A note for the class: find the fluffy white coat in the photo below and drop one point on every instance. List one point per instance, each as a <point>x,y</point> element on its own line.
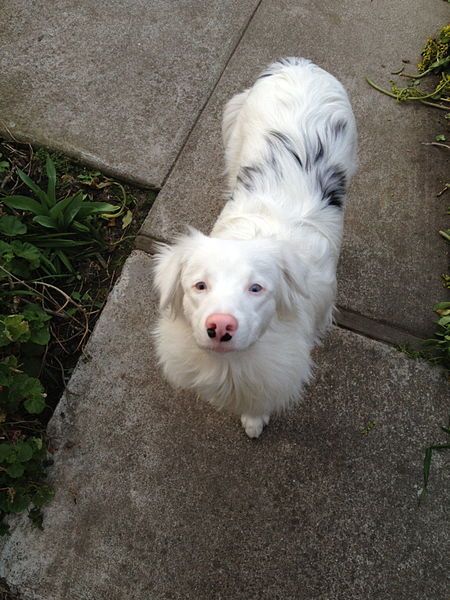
<point>270,260</point>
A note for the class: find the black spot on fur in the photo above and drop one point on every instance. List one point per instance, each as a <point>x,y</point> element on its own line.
<point>247,176</point>
<point>289,61</point>
<point>278,65</point>
<point>313,155</point>
<point>338,128</point>
<point>320,151</point>
<point>272,160</point>
<point>333,184</point>
<point>288,145</point>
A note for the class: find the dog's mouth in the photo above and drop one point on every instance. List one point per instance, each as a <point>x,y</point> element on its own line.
<point>221,348</point>
<point>225,348</point>
<point>217,347</point>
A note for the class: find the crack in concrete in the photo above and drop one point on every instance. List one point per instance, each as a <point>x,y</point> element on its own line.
<point>213,89</point>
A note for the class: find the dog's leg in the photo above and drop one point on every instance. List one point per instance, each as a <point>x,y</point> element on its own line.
<point>254,425</point>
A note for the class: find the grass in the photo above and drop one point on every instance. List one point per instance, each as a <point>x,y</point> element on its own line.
<point>65,233</point>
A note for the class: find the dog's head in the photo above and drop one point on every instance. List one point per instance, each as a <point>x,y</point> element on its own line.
<point>229,291</point>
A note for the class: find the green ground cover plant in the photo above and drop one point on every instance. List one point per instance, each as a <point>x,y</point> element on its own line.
<point>65,230</point>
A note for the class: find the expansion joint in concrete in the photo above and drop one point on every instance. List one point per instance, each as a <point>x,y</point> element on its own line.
<point>376,330</point>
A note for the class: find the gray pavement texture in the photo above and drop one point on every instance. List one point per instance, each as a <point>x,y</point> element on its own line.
<point>117,84</point>
<point>158,496</point>
<point>392,257</point>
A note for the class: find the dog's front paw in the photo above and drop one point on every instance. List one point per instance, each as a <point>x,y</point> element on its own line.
<point>254,425</point>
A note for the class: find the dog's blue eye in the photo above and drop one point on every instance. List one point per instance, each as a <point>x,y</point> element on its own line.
<point>200,286</point>
<point>255,288</point>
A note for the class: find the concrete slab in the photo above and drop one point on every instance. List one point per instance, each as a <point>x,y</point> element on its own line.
<point>116,84</point>
<point>393,256</point>
<point>158,496</point>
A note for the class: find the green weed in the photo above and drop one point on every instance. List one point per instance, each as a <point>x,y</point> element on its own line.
<point>65,231</point>
<point>440,343</point>
<point>22,457</point>
<point>435,62</point>
<point>64,215</point>
<point>4,165</point>
<point>60,225</point>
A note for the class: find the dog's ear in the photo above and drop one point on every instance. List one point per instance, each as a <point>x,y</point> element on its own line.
<point>169,262</point>
<point>293,282</point>
<point>167,277</point>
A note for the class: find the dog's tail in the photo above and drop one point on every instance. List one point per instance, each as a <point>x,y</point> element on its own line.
<point>230,134</point>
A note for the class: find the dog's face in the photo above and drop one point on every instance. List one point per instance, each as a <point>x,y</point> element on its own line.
<point>228,290</point>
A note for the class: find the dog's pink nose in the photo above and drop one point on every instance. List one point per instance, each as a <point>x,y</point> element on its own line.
<point>221,326</point>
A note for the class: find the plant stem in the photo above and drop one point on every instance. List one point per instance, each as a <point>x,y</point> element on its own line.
<point>380,89</point>
<point>438,144</point>
<point>392,95</point>
<point>433,104</point>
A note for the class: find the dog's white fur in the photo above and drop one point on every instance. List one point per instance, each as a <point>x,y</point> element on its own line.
<point>290,152</point>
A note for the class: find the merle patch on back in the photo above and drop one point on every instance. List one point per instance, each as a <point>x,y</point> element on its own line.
<point>338,128</point>
<point>331,178</point>
<point>333,183</point>
<point>247,177</point>
<point>287,144</point>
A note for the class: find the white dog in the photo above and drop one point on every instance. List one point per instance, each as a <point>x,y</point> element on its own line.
<point>242,309</point>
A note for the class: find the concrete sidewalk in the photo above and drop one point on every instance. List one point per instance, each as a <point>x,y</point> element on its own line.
<point>158,496</point>
<point>117,84</point>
